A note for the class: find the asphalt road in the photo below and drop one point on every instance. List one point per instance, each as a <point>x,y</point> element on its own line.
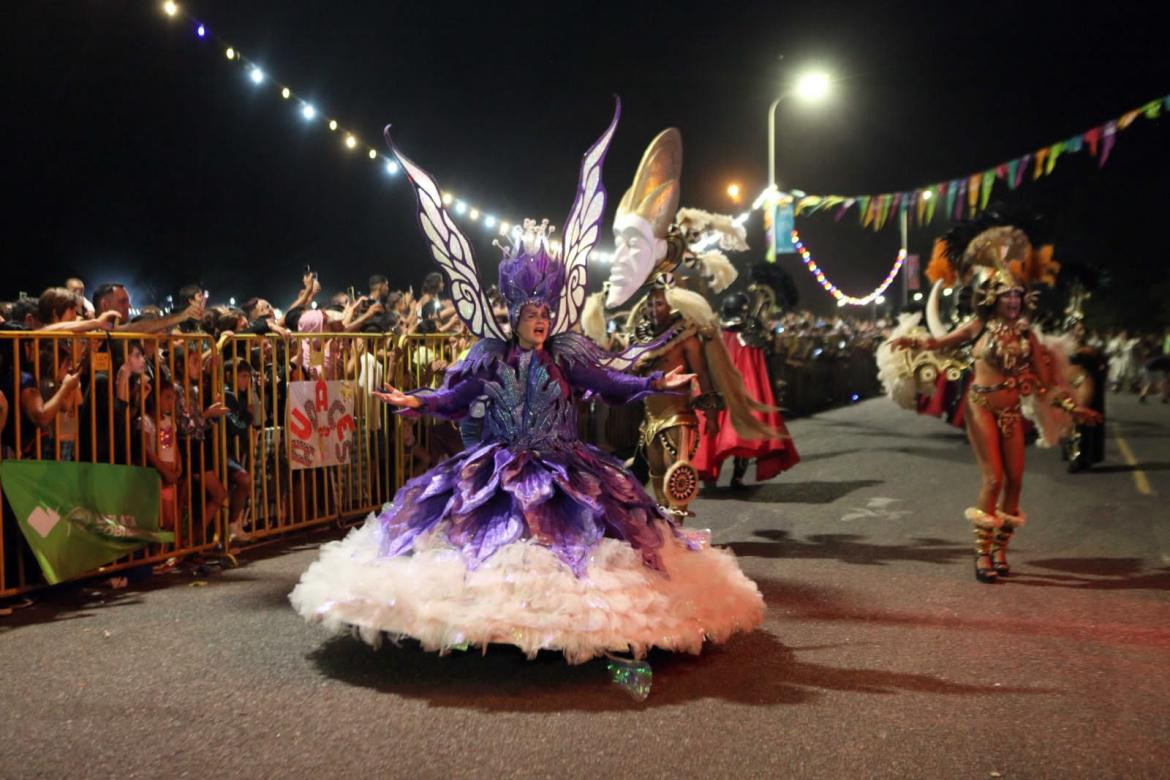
<point>881,656</point>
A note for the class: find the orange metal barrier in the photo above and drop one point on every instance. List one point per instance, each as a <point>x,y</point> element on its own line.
<point>229,481</point>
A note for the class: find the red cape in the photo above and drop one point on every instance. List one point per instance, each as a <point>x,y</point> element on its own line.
<point>771,456</point>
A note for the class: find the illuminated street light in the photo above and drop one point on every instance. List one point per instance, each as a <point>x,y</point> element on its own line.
<point>810,87</point>
<point>170,8</point>
<point>917,296</point>
<point>733,192</point>
<point>813,86</point>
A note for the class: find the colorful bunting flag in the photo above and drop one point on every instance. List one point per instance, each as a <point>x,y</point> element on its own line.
<point>1038,158</point>
<point>1108,137</point>
<point>973,193</point>
<point>875,210</point>
<point>959,197</point>
<point>985,190</point>
<point>1053,153</point>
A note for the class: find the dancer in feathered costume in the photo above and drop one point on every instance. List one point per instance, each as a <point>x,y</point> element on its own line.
<point>655,242</point>
<point>531,538</point>
<point>1012,366</point>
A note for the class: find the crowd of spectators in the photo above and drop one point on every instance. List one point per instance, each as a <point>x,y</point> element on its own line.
<point>96,379</point>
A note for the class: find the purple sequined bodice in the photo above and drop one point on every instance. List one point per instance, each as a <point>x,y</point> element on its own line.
<point>527,405</point>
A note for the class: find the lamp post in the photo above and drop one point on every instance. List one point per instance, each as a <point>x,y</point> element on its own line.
<point>810,87</point>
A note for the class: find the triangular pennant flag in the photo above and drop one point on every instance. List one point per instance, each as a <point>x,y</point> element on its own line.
<point>1152,109</point>
<point>1074,144</point>
<point>988,183</point>
<point>842,211</point>
<point>1039,167</point>
<point>1027,158</point>
<point>959,198</point>
<point>1109,137</point>
<point>920,200</point>
<point>863,209</point>
<point>1053,153</point>
<point>806,202</point>
<point>1013,168</point>
<point>952,193</point>
<point>1127,119</point>
<point>973,182</point>
<point>1091,138</point>
<point>931,204</point>
<point>883,210</point>
<point>1001,170</point>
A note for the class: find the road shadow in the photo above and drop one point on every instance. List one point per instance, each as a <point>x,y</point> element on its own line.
<point>849,548</point>
<point>1092,574</point>
<point>809,492</point>
<point>754,669</point>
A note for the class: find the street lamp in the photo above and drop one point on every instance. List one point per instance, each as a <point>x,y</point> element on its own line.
<point>810,87</point>
<point>733,192</point>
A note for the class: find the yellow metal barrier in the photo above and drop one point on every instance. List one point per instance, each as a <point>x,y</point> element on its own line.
<point>219,439</point>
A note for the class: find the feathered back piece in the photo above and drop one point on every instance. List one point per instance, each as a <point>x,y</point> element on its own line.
<point>996,251</point>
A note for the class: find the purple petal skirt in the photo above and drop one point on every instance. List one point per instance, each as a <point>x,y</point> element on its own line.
<point>551,546</point>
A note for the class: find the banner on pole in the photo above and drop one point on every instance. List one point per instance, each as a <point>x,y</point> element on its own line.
<point>79,516</point>
<point>320,424</point>
<point>910,273</point>
<point>783,221</point>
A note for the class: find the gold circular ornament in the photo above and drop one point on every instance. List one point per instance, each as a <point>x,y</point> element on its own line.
<point>681,483</point>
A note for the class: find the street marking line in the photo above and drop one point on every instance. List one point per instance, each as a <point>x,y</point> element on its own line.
<point>1139,477</point>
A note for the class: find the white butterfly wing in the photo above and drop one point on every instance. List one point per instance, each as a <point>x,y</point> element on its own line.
<point>582,229</point>
<point>451,251</point>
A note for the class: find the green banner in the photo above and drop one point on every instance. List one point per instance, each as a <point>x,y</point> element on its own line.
<point>79,516</point>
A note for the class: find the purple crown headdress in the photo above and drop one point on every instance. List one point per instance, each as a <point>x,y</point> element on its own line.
<point>531,271</point>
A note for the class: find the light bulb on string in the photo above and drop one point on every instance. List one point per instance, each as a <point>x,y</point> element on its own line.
<point>170,8</point>
<point>256,75</point>
<point>489,221</point>
<point>448,198</point>
<point>307,111</point>
<point>373,154</point>
<point>460,207</point>
<point>332,124</point>
<point>230,53</point>
<point>201,31</point>
<point>350,141</point>
<point>285,93</point>
<point>473,214</point>
<point>391,167</point>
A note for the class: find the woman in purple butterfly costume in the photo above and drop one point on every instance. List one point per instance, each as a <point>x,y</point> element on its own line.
<point>532,537</point>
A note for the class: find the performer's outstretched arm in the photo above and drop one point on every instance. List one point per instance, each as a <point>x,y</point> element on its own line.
<point>616,387</point>
<point>448,403</point>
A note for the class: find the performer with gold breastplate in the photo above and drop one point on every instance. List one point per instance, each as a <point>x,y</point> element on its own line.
<point>1012,367</point>
<point>655,240</point>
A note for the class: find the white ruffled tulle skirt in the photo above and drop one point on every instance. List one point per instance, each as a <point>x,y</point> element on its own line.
<point>525,596</point>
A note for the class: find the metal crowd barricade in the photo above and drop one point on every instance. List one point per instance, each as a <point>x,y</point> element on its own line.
<point>109,420</point>
<point>387,449</point>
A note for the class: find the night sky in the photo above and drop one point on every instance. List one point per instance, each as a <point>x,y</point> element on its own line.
<point>136,152</point>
